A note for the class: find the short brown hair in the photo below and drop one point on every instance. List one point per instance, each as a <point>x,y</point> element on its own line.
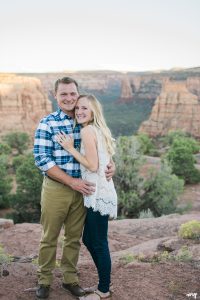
<point>66,80</point>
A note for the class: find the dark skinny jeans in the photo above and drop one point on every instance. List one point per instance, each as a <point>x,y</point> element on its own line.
<point>95,238</point>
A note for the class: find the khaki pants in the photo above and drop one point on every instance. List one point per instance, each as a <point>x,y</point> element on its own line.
<point>60,205</point>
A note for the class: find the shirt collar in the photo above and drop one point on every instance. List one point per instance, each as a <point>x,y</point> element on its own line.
<point>63,116</point>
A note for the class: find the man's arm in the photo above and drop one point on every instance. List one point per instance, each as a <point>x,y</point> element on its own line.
<point>44,160</point>
<point>77,184</point>
<point>43,147</point>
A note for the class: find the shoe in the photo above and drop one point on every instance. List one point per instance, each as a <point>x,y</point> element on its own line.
<point>42,291</point>
<point>102,295</point>
<point>93,288</point>
<point>74,289</point>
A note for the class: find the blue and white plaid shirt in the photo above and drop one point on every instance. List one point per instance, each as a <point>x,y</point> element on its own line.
<point>48,152</point>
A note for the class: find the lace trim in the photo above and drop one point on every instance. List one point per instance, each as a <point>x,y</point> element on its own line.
<point>104,199</point>
<point>103,211</point>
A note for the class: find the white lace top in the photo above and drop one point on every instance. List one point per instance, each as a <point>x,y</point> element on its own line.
<point>104,198</point>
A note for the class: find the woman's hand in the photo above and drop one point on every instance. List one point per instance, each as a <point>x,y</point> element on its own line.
<point>66,141</point>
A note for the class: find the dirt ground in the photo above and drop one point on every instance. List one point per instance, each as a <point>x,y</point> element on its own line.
<point>138,279</point>
<point>132,279</point>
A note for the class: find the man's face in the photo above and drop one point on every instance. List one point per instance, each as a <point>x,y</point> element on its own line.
<point>66,96</point>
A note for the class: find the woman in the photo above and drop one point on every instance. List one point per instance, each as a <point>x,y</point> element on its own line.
<point>97,148</point>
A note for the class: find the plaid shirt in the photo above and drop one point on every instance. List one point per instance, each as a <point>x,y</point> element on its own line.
<point>48,152</point>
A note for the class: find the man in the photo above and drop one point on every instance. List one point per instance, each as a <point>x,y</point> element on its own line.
<point>61,198</point>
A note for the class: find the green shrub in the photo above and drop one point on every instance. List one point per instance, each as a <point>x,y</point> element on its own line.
<point>128,182</point>
<point>145,214</point>
<point>189,142</point>
<point>5,259</point>
<point>18,141</point>
<point>5,149</point>
<point>127,258</point>
<point>181,159</point>
<point>5,182</point>
<point>172,136</point>
<point>190,230</point>
<point>26,201</point>
<point>146,144</point>
<point>136,193</point>
<point>161,191</point>
<point>184,255</point>
<point>18,161</point>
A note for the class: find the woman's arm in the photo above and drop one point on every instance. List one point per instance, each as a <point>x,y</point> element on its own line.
<point>90,159</point>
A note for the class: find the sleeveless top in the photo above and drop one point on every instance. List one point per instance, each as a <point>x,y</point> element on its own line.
<point>104,199</point>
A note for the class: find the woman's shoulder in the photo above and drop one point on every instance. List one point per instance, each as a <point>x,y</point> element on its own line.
<point>88,130</point>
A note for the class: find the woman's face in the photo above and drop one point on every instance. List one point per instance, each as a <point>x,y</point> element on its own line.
<point>83,112</point>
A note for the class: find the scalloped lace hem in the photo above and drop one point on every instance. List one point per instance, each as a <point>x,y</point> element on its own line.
<point>110,210</point>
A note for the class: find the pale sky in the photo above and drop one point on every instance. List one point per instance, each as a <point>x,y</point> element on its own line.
<point>124,35</point>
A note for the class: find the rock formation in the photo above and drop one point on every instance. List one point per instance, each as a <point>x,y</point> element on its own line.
<point>176,108</point>
<point>193,84</point>
<point>126,90</point>
<point>88,81</point>
<point>140,87</point>
<point>22,103</point>
<point>5,223</point>
<point>174,94</point>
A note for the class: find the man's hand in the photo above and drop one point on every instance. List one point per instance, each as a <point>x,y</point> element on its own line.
<point>110,171</point>
<point>77,184</point>
<point>85,187</point>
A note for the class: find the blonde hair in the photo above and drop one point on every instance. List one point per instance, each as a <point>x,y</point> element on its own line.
<point>99,121</point>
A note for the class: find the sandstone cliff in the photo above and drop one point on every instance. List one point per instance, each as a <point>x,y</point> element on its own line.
<point>88,81</point>
<point>177,107</point>
<point>172,92</point>
<point>193,85</point>
<point>126,90</point>
<point>140,87</point>
<point>22,103</point>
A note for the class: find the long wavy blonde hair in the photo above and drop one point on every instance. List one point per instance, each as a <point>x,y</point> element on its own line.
<point>99,121</point>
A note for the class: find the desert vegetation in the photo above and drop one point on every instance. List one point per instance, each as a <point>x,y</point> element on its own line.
<point>153,193</point>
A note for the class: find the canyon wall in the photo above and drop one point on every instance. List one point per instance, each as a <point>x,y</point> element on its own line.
<point>173,96</point>
<point>23,103</point>
<point>92,81</point>
<point>140,87</point>
<point>176,108</point>
<point>126,90</point>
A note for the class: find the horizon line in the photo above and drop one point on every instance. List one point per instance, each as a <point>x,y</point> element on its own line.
<point>101,70</point>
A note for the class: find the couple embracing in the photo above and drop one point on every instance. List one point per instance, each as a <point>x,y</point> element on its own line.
<point>73,148</point>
